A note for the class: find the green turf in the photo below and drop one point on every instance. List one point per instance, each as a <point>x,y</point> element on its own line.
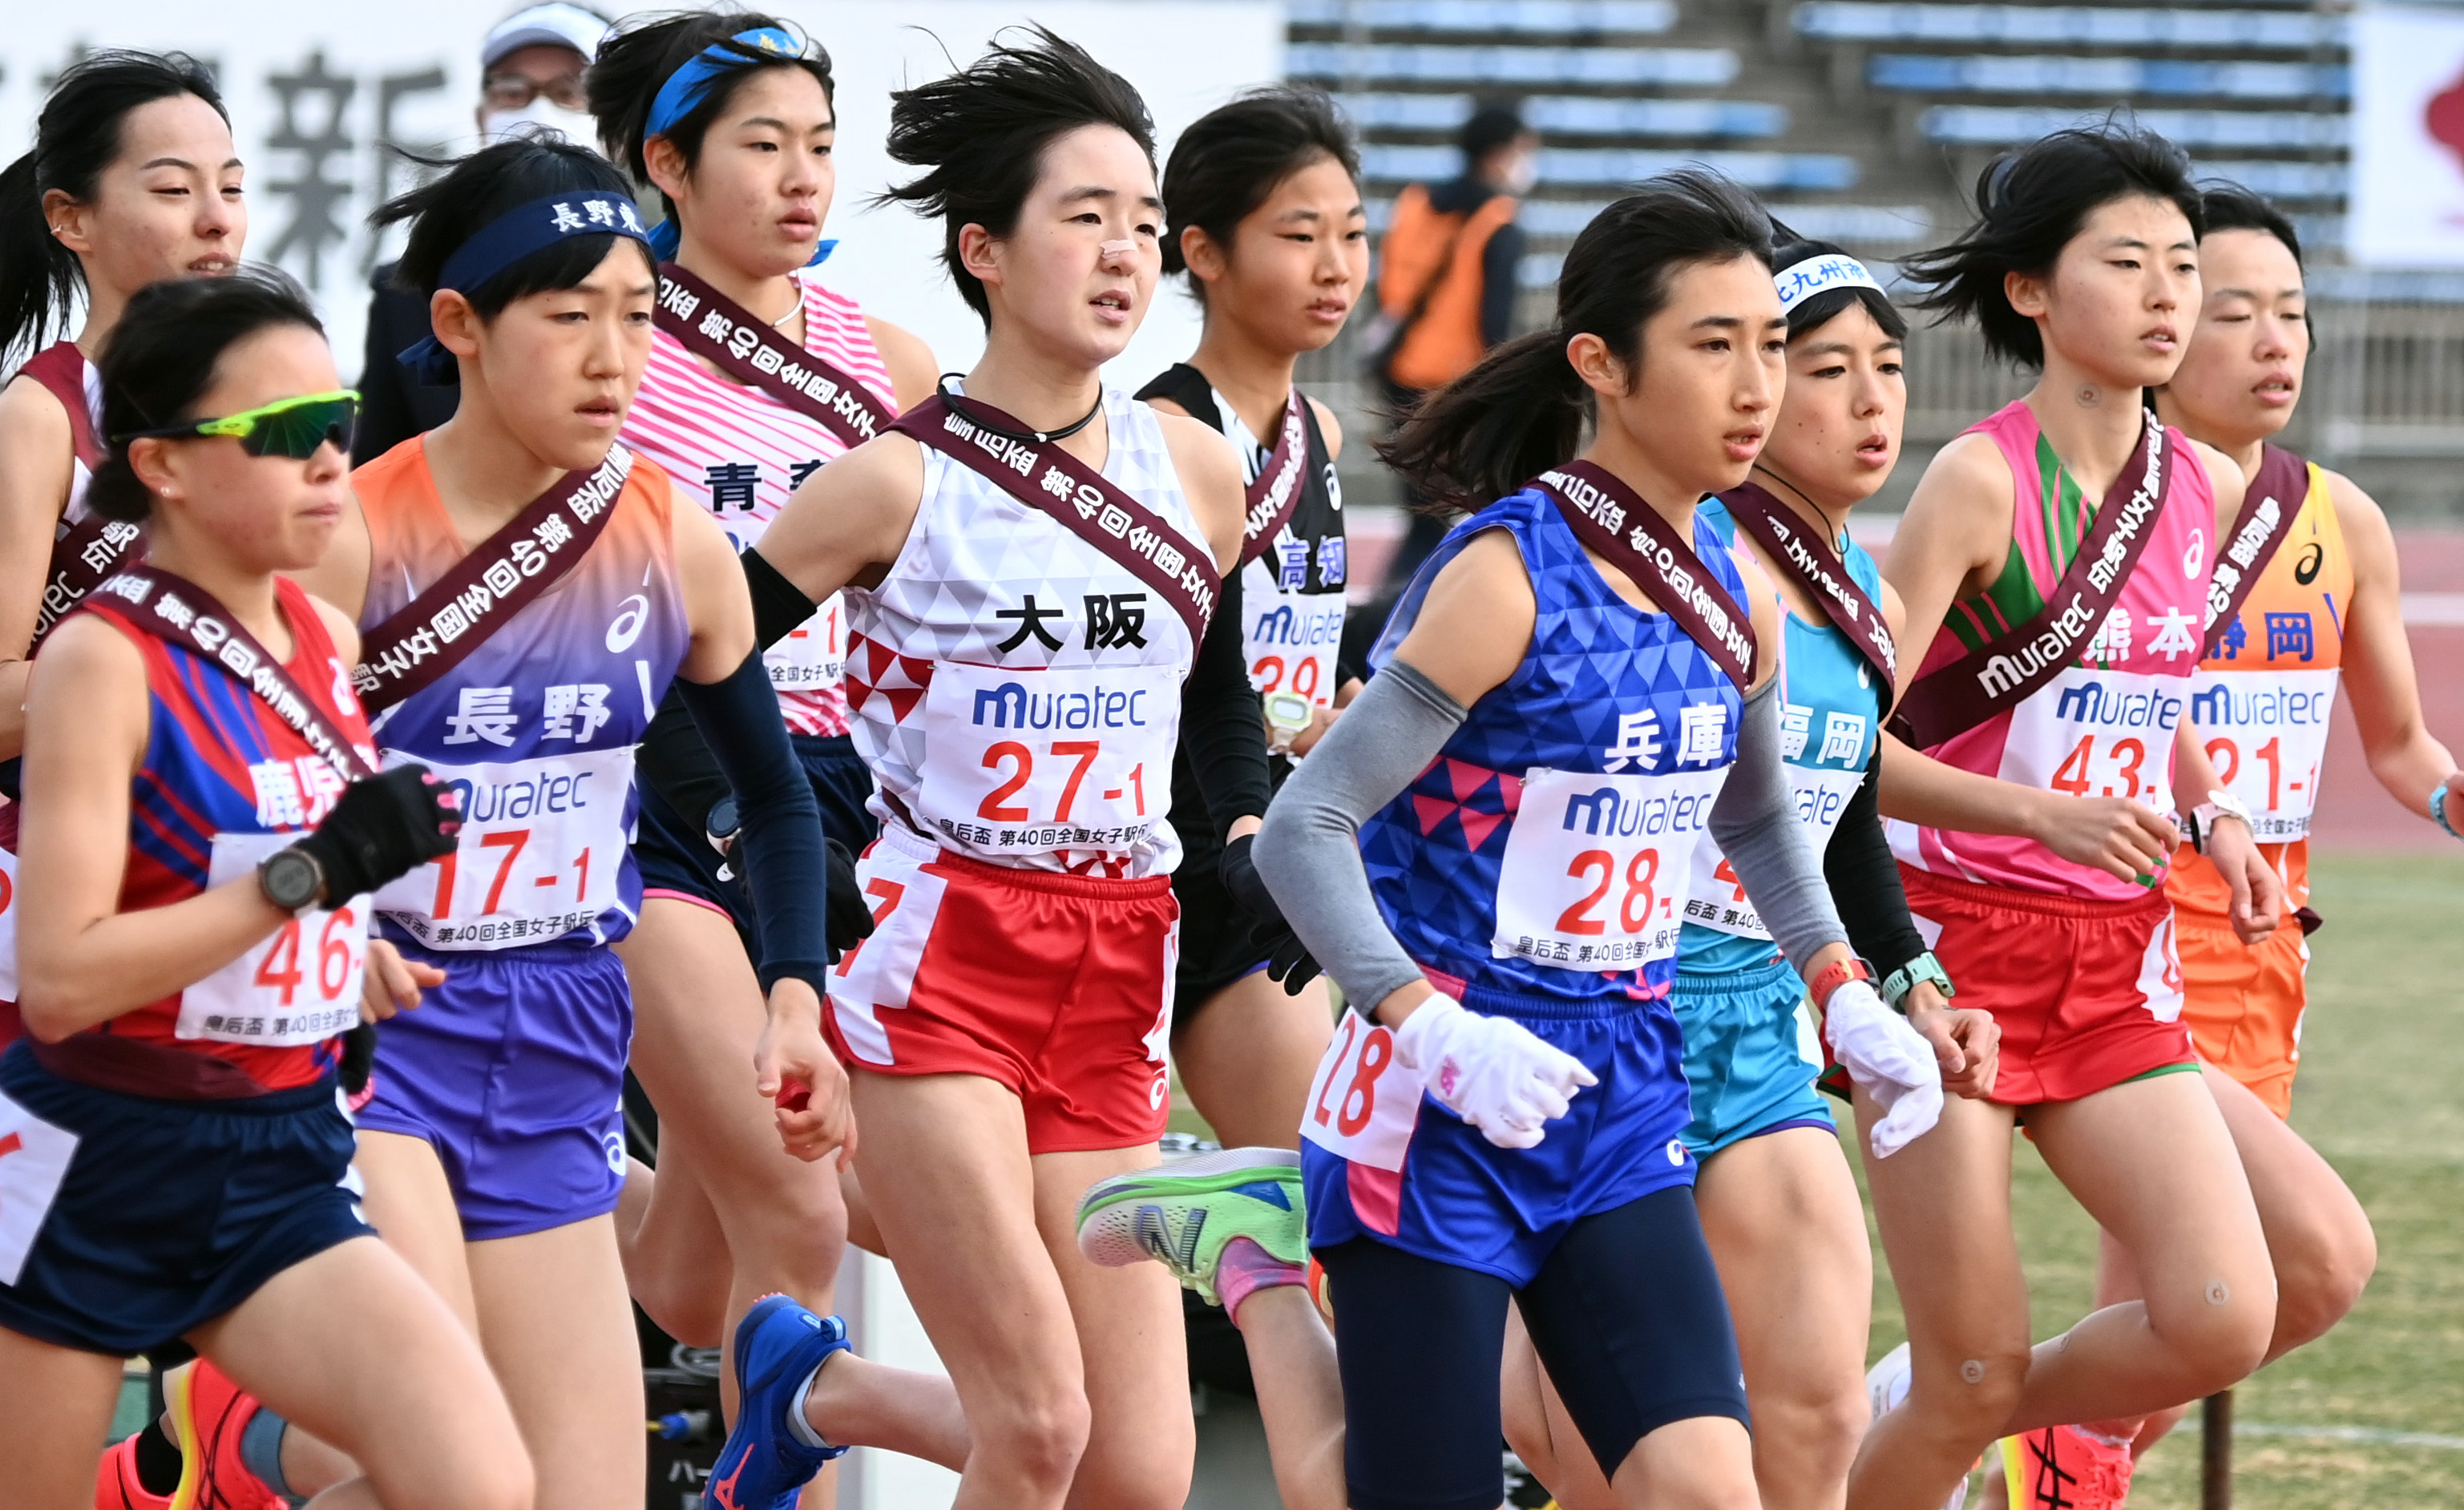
<point>2381,1064</point>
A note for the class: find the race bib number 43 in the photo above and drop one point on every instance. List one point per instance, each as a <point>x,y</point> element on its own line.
<point>302,985</point>
<point>1023,761</point>
<point>542,850</point>
<point>1596,867</point>
<point>2097,733</point>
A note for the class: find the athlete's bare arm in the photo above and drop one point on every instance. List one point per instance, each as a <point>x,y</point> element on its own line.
<point>1475,623</point>
<point>1210,475</point>
<point>341,576</point>
<point>1331,428</point>
<point>849,520</point>
<point>718,610</point>
<point>35,470</point>
<point>2402,753</point>
<point>80,960</point>
<point>1952,540</point>
<point>913,374</point>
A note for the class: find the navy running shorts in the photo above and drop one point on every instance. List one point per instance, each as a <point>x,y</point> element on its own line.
<point>678,863</point>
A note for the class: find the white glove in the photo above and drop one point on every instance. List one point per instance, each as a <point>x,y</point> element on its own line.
<point>1889,1061</point>
<point>1492,1072</point>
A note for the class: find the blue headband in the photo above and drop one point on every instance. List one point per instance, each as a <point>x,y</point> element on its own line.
<point>508,239</point>
<point>685,89</point>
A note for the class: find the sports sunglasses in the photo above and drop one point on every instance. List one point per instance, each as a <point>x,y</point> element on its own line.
<point>293,427</point>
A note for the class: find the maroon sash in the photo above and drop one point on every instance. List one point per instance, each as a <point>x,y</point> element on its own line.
<point>62,368</point>
<point>1074,496</point>
<point>719,330</point>
<point>2269,506</point>
<point>1277,491</point>
<point>1795,549</point>
<point>2002,674</point>
<point>435,631</point>
<point>84,551</point>
<point>177,611</point>
<point>1612,520</point>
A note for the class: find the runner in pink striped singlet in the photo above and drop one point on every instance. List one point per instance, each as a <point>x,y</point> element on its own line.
<point>757,378</point>
<point>2055,563</point>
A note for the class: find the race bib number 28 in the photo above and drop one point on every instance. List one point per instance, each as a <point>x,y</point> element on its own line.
<point>1364,1103</point>
<point>1598,866</point>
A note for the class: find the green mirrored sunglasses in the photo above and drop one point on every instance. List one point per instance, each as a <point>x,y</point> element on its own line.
<point>293,427</point>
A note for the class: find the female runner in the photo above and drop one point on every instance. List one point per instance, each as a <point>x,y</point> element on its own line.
<point>729,118</point>
<point>1263,199</point>
<point>1490,849</point>
<point>133,178</point>
<point>1030,560</point>
<point>204,823</point>
<point>2321,609</point>
<point>1779,1206</point>
<point>2062,634</point>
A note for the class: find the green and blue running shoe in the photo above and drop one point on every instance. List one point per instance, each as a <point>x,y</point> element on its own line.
<point>1183,1214</point>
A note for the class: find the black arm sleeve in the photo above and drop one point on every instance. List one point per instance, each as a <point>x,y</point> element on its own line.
<point>783,857</point>
<point>780,608</point>
<point>1501,272</point>
<point>676,762</point>
<point>1223,723</point>
<point>1864,881</point>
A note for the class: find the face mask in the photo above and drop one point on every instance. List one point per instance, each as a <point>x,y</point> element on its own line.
<point>1523,173</point>
<point>579,129</point>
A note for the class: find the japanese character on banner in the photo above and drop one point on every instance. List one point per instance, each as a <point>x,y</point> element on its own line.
<point>317,132</point>
<point>552,533</point>
<point>1114,521</point>
<point>172,611</point>
<point>1055,482</point>
<point>501,577</point>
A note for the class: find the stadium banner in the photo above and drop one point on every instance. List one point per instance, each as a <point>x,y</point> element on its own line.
<point>320,93</point>
<point>2408,197</point>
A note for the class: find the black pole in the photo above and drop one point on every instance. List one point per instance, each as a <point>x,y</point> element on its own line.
<point>2215,1452</point>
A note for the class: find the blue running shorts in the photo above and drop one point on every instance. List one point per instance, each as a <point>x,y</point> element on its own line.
<point>680,863</point>
<point>513,1071</point>
<point>1744,1058</point>
<point>168,1213</point>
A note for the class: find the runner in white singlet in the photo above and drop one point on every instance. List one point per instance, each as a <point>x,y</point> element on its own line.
<point>1026,590</point>
<point>741,157</point>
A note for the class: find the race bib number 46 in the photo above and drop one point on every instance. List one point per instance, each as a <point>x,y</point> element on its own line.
<point>542,850</point>
<point>1364,1103</point>
<point>1024,761</point>
<point>299,987</point>
<point>2266,735</point>
<point>1596,866</point>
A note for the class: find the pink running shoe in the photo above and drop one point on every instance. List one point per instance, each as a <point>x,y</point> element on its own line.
<point>2065,1468</point>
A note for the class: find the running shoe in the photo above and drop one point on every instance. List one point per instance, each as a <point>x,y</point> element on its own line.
<point>2065,1467</point>
<point>1886,1388</point>
<point>210,1416</point>
<point>115,1484</point>
<point>1321,1289</point>
<point>1183,1214</point>
<point>763,1466</point>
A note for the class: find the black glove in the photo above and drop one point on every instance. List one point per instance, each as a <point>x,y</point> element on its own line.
<point>1288,959</point>
<point>383,828</point>
<point>358,1058</point>
<point>848,919</point>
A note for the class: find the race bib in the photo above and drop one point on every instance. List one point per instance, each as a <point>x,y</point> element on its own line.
<point>1596,866</point>
<point>2266,733</point>
<point>1292,640</point>
<point>542,847</point>
<point>813,656</point>
<point>1364,1103</point>
<point>2097,733</point>
<point>1717,899</point>
<point>8,925</point>
<point>299,987</point>
<point>1024,761</point>
<point>33,1160</point>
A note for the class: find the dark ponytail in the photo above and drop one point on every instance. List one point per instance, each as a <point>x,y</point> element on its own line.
<point>1523,409</point>
<point>162,356</point>
<point>76,137</point>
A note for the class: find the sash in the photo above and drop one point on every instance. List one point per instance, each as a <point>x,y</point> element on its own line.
<point>177,611</point>
<point>2002,674</point>
<point>2269,506</point>
<point>86,550</point>
<point>435,631</point>
<point>754,353</point>
<point>1074,496</point>
<point>1787,543</point>
<point>1277,491</point>
<point>62,368</point>
<point>1611,518</point>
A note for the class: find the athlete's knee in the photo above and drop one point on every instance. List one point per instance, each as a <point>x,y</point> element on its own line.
<point>1969,1397</point>
<point>1036,1431</point>
<point>1137,1475</point>
<point>2219,1334</point>
<point>2319,1279</point>
<point>692,1309</point>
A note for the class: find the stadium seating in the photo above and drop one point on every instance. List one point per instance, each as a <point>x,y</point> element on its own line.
<point>2105,25</point>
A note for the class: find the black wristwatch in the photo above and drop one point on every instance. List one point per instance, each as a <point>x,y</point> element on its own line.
<point>292,879</point>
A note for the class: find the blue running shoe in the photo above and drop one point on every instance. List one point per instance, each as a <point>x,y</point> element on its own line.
<point>763,1467</point>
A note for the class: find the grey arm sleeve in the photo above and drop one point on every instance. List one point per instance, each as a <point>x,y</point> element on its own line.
<point>1310,849</point>
<point>1756,825</point>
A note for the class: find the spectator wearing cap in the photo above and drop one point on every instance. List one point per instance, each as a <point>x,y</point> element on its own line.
<point>529,72</point>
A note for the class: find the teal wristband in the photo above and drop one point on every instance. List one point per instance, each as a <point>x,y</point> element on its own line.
<point>2438,810</point>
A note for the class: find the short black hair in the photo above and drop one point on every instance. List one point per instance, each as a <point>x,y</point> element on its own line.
<point>1806,314</point>
<point>2030,202</point>
<point>475,190</point>
<point>1234,156</point>
<point>644,53</point>
<point>1495,124</point>
<point>2230,207</point>
<point>161,358</point>
<point>980,133</point>
<point>76,137</point>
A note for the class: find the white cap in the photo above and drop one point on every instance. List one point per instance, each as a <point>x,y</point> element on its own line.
<point>555,24</point>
